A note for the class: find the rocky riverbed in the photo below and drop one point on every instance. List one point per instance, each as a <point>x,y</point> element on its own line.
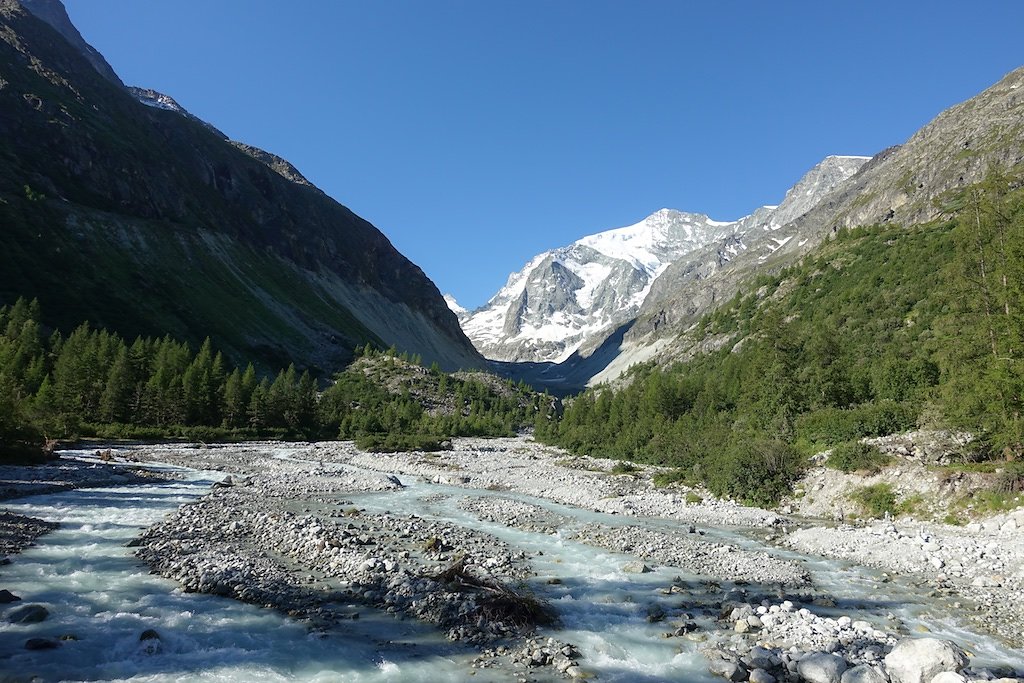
<point>290,527</point>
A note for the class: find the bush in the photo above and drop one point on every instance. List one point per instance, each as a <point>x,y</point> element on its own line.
<point>877,500</point>
<point>831,426</point>
<point>757,472</point>
<point>624,467</point>
<point>854,456</point>
<point>1011,479</point>
<point>673,476</point>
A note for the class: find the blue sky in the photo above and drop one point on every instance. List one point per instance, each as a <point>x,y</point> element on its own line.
<point>477,133</point>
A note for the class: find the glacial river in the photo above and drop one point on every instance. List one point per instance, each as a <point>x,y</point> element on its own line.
<point>101,599</point>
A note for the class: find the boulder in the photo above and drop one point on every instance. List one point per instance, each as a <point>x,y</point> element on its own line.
<point>919,660</point>
<point>761,676</point>
<point>41,644</point>
<point>821,667</point>
<point>728,669</point>
<point>636,568</point>
<point>29,614</point>
<point>864,673</point>
<point>949,677</point>
<point>7,596</point>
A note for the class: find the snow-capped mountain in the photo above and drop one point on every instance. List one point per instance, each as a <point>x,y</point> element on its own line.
<point>565,296</point>
<point>575,296</point>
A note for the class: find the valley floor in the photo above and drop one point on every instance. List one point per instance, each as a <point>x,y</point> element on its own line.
<point>303,528</point>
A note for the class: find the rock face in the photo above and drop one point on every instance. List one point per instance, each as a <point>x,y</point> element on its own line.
<point>164,227</point>
<point>920,660</point>
<point>569,299</point>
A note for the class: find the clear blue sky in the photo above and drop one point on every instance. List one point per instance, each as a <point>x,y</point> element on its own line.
<point>477,133</point>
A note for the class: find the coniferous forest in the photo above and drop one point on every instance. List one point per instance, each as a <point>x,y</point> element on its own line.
<point>93,383</point>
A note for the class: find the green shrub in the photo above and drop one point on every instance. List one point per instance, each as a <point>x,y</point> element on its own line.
<point>831,426</point>
<point>673,476</point>
<point>1011,479</point>
<point>877,500</point>
<point>624,467</point>
<point>758,472</point>
<point>854,456</point>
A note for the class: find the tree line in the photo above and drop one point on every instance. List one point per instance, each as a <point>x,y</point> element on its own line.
<point>94,383</point>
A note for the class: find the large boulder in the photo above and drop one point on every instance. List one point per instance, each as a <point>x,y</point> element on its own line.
<point>29,614</point>
<point>821,667</point>
<point>919,660</point>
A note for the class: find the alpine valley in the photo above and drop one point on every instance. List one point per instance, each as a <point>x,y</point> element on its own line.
<point>243,438</point>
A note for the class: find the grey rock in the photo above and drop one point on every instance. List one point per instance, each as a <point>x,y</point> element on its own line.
<point>761,676</point>
<point>7,596</point>
<point>864,673</point>
<point>29,614</point>
<point>919,660</point>
<point>636,568</point>
<point>821,667</point>
<point>41,644</point>
<point>949,677</point>
<point>728,669</point>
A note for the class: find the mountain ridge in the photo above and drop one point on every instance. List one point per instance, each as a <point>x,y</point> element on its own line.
<point>165,227</point>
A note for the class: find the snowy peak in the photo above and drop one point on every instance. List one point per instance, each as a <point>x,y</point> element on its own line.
<point>567,296</point>
<point>454,306</point>
<point>648,244</point>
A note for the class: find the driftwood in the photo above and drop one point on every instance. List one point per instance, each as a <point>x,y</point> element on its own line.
<point>495,600</point>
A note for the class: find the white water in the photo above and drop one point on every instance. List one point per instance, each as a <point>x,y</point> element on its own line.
<point>97,591</point>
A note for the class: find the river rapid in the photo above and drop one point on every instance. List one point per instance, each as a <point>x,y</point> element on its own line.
<point>101,597</point>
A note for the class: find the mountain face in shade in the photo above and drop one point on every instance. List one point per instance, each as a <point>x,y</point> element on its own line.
<point>122,209</point>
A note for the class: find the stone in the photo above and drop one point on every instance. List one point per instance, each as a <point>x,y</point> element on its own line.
<point>41,644</point>
<point>949,677</point>
<point>761,676</point>
<point>864,673</point>
<point>742,626</point>
<point>759,658</point>
<point>728,669</point>
<point>7,596</point>
<point>29,614</point>
<point>149,634</point>
<point>636,568</point>
<point>919,660</point>
<point>821,667</point>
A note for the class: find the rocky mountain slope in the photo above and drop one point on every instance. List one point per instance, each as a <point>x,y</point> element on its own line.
<point>142,219</point>
<point>903,184</point>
